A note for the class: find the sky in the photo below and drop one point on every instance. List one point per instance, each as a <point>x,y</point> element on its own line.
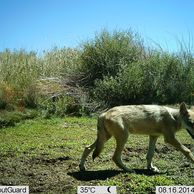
<point>38,25</point>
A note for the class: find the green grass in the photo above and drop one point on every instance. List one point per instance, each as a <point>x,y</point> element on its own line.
<point>44,154</point>
<point>10,118</point>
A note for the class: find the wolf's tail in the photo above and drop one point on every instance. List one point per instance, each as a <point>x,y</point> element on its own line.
<point>102,137</point>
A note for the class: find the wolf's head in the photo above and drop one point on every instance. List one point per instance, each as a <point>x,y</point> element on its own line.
<point>187,118</point>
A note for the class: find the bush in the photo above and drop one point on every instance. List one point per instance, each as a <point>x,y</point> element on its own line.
<point>126,88</point>
<point>114,68</point>
<point>60,62</point>
<point>21,71</point>
<point>175,80</point>
<point>107,54</point>
<point>160,78</point>
<point>18,73</point>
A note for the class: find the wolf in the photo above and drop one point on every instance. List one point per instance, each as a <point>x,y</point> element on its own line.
<point>151,120</point>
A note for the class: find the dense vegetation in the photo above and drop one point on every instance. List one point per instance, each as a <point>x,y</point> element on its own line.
<point>112,69</point>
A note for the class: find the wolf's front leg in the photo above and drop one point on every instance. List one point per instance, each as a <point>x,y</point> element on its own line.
<point>150,153</point>
<point>174,142</point>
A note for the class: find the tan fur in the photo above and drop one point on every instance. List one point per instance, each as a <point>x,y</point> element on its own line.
<point>152,120</point>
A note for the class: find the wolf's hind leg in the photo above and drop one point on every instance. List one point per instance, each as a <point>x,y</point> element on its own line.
<point>150,153</point>
<point>120,143</point>
<point>85,154</point>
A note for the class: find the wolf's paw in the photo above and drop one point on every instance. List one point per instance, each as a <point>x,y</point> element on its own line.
<point>153,169</point>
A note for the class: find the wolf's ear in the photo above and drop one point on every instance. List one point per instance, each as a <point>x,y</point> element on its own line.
<point>183,110</point>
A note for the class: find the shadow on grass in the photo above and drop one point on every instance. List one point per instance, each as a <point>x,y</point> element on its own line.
<point>94,175</point>
<point>104,174</point>
<point>147,172</point>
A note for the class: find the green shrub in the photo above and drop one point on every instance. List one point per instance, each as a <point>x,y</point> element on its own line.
<point>114,68</point>
<point>107,54</point>
<point>18,73</point>
<point>60,62</point>
<point>175,82</point>
<point>160,78</point>
<point>126,88</point>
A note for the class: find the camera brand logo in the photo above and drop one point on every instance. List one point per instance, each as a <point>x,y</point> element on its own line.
<point>14,189</point>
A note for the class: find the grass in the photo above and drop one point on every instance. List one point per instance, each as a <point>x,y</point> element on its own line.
<point>44,154</point>
<point>10,118</point>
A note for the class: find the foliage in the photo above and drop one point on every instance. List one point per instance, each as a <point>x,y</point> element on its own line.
<point>160,78</point>
<point>18,73</point>
<point>114,68</point>
<point>108,53</point>
<point>27,80</point>
<point>60,62</point>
